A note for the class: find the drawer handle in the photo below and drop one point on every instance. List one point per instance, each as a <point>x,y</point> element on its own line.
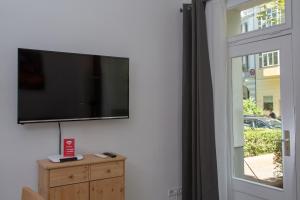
<point>71,176</point>
<point>108,171</point>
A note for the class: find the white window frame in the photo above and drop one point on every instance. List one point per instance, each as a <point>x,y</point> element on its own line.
<point>253,189</point>
<point>236,184</point>
<point>265,33</point>
<point>268,59</point>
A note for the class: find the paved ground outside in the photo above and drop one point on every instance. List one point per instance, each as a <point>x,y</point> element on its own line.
<point>262,166</point>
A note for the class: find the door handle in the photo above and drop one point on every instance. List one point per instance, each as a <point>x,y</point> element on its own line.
<point>287,143</point>
<point>283,140</point>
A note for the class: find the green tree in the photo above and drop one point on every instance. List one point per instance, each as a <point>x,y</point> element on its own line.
<point>250,107</point>
<point>275,5</point>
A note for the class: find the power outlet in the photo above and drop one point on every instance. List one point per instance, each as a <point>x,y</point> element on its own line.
<point>172,192</point>
<point>173,198</point>
<point>179,191</point>
<point>175,193</point>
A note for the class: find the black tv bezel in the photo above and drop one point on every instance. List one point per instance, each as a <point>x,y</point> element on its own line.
<point>23,122</point>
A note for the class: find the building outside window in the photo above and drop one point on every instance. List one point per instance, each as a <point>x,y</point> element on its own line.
<point>263,16</point>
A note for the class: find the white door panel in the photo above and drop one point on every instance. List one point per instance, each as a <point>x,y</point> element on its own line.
<point>256,80</point>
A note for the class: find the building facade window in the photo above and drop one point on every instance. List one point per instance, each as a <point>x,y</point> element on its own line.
<point>268,103</point>
<point>269,59</point>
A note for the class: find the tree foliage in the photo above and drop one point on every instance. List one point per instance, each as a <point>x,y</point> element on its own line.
<point>278,5</point>
<point>250,107</point>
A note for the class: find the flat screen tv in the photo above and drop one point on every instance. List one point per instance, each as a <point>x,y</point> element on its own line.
<point>57,86</point>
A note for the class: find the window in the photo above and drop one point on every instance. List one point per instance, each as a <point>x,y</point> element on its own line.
<point>268,103</point>
<point>260,98</point>
<point>276,58</point>
<point>270,56</point>
<point>245,63</point>
<point>269,59</point>
<point>265,56</point>
<point>245,27</point>
<point>260,60</point>
<point>256,100</point>
<point>253,16</point>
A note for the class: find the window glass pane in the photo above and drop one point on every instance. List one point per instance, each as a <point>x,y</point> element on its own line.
<point>253,16</point>
<point>270,56</point>
<point>268,102</point>
<point>245,63</point>
<point>256,120</point>
<point>265,59</point>
<point>260,60</point>
<point>276,58</point>
<point>269,59</point>
<point>268,99</point>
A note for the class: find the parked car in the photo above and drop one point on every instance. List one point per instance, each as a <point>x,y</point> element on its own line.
<point>261,122</point>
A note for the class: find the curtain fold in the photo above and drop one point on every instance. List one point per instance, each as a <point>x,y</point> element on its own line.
<point>199,167</point>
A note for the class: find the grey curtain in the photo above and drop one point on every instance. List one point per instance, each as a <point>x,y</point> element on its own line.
<point>199,164</point>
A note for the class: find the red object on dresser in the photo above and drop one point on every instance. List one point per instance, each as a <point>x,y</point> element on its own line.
<point>69,147</point>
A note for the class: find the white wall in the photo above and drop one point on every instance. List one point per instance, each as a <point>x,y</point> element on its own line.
<point>147,31</point>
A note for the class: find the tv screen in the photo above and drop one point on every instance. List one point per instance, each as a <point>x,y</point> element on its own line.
<point>56,86</point>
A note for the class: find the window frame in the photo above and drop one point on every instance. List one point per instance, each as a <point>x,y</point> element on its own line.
<point>281,32</point>
<point>248,187</point>
<point>266,54</point>
<point>268,102</point>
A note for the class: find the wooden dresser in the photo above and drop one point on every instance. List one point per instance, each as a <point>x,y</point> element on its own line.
<point>92,178</point>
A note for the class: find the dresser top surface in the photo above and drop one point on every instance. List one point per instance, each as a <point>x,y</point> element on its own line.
<point>87,160</point>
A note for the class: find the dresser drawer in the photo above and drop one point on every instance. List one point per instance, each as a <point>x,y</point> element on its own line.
<point>107,170</point>
<point>79,191</point>
<point>68,175</point>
